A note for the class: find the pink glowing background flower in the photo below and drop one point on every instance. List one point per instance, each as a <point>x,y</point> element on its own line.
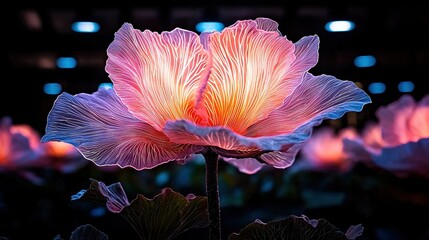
<point>399,142</point>
<point>324,150</point>
<point>21,150</point>
<point>244,93</point>
<point>63,157</point>
<point>61,149</point>
<point>19,145</point>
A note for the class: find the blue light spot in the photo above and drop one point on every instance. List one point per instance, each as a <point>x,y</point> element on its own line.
<point>209,26</point>
<point>406,86</point>
<point>52,88</point>
<point>267,185</point>
<point>377,88</point>
<point>162,178</point>
<point>339,26</point>
<point>105,85</point>
<point>198,159</point>
<point>85,27</point>
<point>66,62</point>
<point>364,61</point>
<point>183,177</point>
<point>97,212</point>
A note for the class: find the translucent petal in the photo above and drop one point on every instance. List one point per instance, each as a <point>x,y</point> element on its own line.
<point>250,75</point>
<point>100,126</point>
<point>410,158</point>
<point>394,119</point>
<point>278,151</point>
<point>419,121</point>
<point>159,77</point>
<point>325,148</point>
<point>317,98</point>
<point>245,165</point>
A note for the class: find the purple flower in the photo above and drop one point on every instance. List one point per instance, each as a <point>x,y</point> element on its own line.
<point>244,93</point>
<point>20,146</point>
<point>399,142</point>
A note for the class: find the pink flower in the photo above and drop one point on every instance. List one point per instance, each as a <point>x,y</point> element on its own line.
<point>400,141</point>
<point>368,143</point>
<point>324,150</point>
<point>21,149</point>
<point>404,121</point>
<point>61,149</point>
<point>244,92</point>
<point>63,157</point>
<point>20,146</point>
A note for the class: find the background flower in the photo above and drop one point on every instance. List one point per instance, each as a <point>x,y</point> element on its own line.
<point>399,142</point>
<point>20,146</point>
<point>324,150</point>
<point>63,157</point>
<point>22,152</point>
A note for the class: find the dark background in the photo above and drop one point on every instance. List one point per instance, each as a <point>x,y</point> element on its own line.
<point>388,207</point>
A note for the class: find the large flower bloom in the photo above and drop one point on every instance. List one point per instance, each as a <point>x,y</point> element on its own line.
<point>399,142</point>
<point>244,93</point>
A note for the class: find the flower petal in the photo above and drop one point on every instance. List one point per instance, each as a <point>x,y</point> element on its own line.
<point>5,140</point>
<point>419,121</point>
<point>158,76</point>
<point>278,159</point>
<point>100,126</point>
<point>19,146</point>
<point>24,138</point>
<point>267,24</point>
<point>404,120</point>
<point>410,158</point>
<point>245,165</point>
<point>307,55</point>
<point>282,159</point>
<point>182,131</point>
<point>316,99</point>
<point>325,149</point>
<point>278,151</point>
<point>394,119</point>
<point>371,136</point>
<point>357,151</point>
<point>250,75</point>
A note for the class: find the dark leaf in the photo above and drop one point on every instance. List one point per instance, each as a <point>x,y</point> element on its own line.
<point>88,232</point>
<point>165,216</point>
<point>292,228</point>
<point>58,237</point>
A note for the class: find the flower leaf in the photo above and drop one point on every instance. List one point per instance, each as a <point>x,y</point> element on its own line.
<point>165,216</point>
<point>294,227</point>
<point>88,232</point>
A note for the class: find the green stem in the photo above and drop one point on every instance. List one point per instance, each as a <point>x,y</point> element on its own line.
<point>212,190</point>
